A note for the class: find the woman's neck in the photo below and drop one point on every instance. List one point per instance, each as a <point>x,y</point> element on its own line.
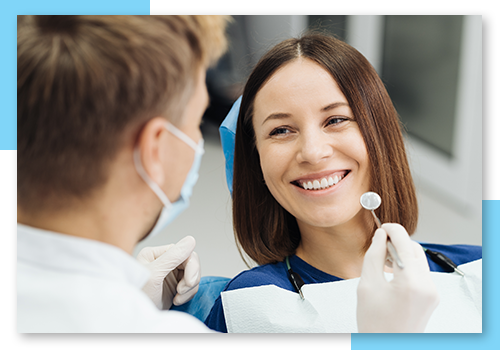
<point>338,251</point>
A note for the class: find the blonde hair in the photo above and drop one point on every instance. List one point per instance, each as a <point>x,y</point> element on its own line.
<point>84,80</point>
<point>214,41</point>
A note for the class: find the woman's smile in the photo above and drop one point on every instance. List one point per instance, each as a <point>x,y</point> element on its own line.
<point>320,182</point>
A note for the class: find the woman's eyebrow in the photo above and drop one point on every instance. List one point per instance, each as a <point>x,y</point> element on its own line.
<point>276,116</point>
<point>287,115</point>
<point>334,105</point>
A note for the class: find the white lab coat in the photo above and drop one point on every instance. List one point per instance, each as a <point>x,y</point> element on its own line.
<point>71,284</point>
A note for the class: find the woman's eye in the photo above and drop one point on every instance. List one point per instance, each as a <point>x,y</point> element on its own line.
<point>279,131</point>
<point>335,121</point>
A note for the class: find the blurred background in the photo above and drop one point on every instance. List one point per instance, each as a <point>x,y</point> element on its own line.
<point>432,68</point>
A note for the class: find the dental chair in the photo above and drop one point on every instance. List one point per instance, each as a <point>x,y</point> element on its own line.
<point>209,289</point>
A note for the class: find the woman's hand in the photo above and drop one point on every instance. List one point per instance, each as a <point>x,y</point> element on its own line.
<point>404,304</point>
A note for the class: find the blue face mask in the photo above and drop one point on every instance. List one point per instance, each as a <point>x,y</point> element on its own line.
<point>171,210</point>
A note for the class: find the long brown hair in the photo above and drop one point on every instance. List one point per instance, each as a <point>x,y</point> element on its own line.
<point>263,228</point>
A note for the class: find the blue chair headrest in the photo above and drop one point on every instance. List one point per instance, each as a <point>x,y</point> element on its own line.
<point>227,132</point>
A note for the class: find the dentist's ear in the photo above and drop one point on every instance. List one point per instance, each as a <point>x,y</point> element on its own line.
<point>152,143</point>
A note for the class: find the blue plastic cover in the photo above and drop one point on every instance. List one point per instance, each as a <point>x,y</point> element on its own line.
<point>209,290</point>
<point>227,132</point>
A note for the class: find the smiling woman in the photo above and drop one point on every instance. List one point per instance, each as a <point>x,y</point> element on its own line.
<point>309,98</point>
<point>316,129</point>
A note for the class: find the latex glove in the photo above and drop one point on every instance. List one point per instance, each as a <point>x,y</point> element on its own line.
<point>175,272</point>
<point>404,304</point>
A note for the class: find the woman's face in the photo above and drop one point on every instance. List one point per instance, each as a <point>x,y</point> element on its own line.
<point>312,154</point>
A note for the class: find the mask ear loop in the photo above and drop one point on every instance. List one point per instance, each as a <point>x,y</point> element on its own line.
<point>140,169</point>
<point>154,187</point>
<point>184,137</point>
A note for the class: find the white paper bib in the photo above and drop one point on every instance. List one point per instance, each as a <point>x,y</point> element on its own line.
<point>331,307</point>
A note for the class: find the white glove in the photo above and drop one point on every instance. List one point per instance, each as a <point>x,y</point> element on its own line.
<point>175,272</point>
<point>404,304</point>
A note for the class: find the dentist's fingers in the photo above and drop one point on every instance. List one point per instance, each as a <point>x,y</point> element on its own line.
<point>149,254</point>
<point>375,257</point>
<point>192,274</point>
<point>411,253</point>
<point>175,255</point>
<point>401,240</point>
<point>190,281</point>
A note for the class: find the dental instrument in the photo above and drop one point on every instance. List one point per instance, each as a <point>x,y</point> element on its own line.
<point>295,279</point>
<point>371,201</point>
<point>443,260</point>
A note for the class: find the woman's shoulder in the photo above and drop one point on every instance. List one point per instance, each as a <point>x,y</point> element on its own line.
<point>268,274</point>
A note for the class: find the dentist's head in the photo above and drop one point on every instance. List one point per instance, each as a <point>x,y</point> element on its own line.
<point>109,109</point>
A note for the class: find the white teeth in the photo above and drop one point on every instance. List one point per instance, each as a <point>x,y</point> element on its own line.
<point>307,185</point>
<point>336,179</point>
<point>316,184</point>
<point>324,183</point>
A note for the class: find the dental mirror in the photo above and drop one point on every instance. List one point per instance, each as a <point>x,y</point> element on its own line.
<point>371,201</point>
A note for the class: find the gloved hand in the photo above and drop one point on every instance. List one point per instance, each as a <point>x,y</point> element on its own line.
<point>404,304</point>
<point>175,272</point>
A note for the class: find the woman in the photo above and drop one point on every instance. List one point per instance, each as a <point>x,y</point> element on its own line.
<point>316,129</point>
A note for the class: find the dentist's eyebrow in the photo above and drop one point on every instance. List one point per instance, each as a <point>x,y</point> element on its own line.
<point>276,116</point>
<point>334,105</point>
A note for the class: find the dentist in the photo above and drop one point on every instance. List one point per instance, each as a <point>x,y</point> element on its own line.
<point>109,147</point>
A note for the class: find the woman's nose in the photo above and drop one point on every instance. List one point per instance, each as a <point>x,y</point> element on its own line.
<point>314,147</point>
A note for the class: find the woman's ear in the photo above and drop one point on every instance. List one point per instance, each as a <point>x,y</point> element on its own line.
<point>152,143</point>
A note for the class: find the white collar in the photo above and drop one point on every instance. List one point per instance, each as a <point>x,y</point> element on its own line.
<point>72,254</point>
